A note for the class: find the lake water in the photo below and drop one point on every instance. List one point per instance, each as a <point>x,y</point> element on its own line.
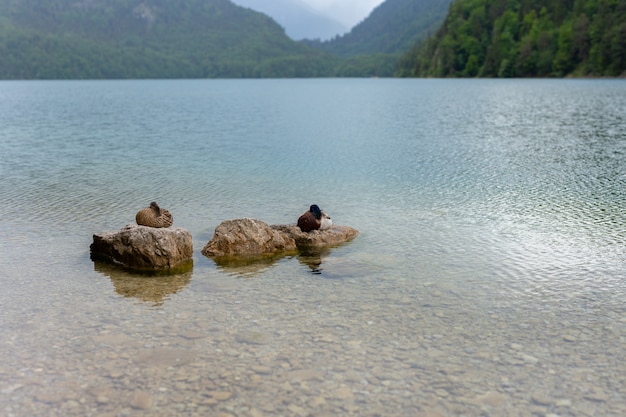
<point>488,278</point>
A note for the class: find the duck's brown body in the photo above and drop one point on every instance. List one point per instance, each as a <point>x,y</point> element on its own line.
<point>308,222</point>
<point>154,216</point>
<point>314,219</point>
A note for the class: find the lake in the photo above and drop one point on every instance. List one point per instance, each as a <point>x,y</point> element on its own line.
<point>488,278</point>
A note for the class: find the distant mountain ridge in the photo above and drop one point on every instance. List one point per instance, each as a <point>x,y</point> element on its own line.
<point>391,28</point>
<point>374,46</point>
<point>299,20</point>
<point>147,39</point>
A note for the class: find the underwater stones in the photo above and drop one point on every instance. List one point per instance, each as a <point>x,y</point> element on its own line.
<point>145,248</point>
<point>246,237</point>
<point>250,237</point>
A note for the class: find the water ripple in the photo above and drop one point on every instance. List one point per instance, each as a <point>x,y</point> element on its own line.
<point>524,189</point>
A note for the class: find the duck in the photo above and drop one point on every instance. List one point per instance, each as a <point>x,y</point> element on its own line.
<point>314,219</point>
<point>154,216</point>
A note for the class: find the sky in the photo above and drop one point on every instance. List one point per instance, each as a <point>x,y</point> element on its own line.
<point>348,12</point>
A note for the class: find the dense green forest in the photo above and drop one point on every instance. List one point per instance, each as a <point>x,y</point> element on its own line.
<point>374,46</point>
<point>524,38</point>
<point>148,39</point>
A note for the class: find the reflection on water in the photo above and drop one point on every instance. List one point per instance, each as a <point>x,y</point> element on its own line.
<point>152,288</point>
<point>248,267</point>
<point>313,258</point>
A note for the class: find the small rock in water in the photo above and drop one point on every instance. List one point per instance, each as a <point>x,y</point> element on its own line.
<point>597,396</point>
<point>540,399</point>
<point>262,370</point>
<point>252,338</point>
<point>101,399</point>
<point>221,395</point>
<point>344,393</point>
<point>141,400</point>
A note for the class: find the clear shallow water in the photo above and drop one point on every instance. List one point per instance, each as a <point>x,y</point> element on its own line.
<point>488,277</point>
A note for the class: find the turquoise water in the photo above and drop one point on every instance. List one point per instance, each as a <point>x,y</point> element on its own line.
<point>495,207</point>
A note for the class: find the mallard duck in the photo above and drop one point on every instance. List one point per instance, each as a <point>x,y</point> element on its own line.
<point>154,216</point>
<point>314,219</point>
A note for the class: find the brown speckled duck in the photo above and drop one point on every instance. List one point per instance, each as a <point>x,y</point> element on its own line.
<point>154,216</point>
<point>314,219</point>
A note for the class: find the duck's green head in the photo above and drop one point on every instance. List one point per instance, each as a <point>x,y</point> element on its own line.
<point>316,211</point>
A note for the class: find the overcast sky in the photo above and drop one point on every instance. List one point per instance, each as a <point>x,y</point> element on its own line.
<point>348,12</point>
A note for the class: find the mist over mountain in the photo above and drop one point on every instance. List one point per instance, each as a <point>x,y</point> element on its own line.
<point>374,46</point>
<point>392,27</point>
<point>299,19</point>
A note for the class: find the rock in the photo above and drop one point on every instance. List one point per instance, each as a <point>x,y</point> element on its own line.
<point>141,400</point>
<point>344,393</point>
<point>540,398</point>
<point>220,395</point>
<point>334,236</point>
<point>306,375</point>
<point>165,358</point>
<point>102,400</point>
<point>247,237</point>
<point>254,238</point>
<point>262,370</point>
<point>145,248</point>
<point>597,395</point>
<point>491,398</point>
<point>252,338</point>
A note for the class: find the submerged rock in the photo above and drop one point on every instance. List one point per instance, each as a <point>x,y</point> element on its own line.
<point>242,238</point>
<point>145,248</point>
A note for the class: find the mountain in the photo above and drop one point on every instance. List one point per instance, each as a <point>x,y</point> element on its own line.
<point>373,47</point>
<point>147,39</point>
<point>392,27</point>
<point>299,20</point>
<point>525,38</point>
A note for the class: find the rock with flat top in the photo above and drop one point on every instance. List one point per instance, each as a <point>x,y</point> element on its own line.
<point>242,238</point>
<point>334,236</point>
<point>145,248</point>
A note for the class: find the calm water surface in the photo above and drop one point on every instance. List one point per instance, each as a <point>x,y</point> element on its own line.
<point>489,276</point>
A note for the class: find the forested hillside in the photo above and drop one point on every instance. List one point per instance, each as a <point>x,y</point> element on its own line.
<point>374,46</point>
<point>525,38</point>
<point>147,39</point>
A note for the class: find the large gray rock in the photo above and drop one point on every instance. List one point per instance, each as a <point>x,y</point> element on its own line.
<point>252,238</point>
<point>145,248</point>
<point>246,238</point>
